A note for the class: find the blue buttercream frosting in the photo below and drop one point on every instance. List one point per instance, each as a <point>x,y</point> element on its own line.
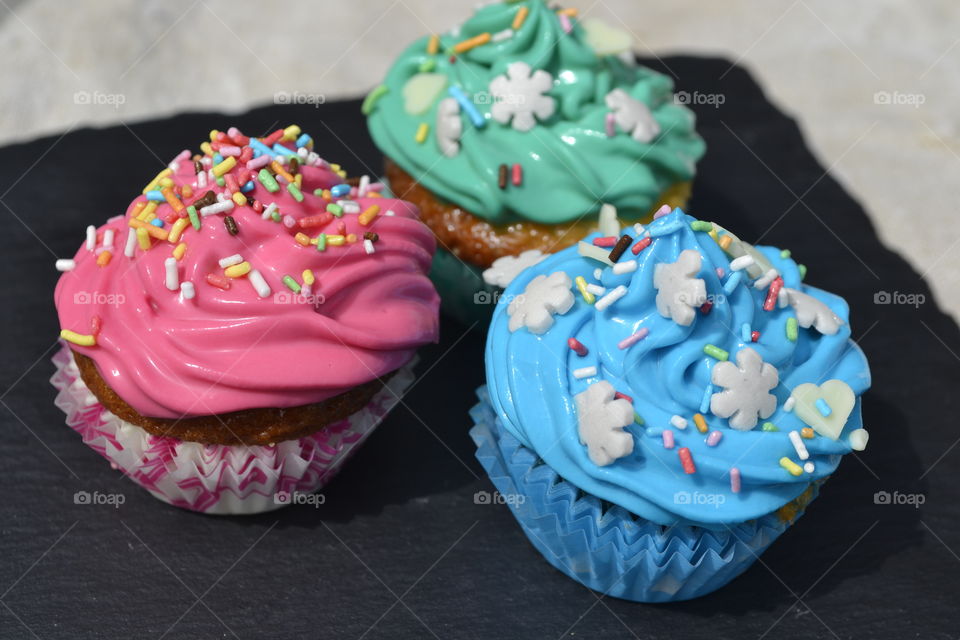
<point>532,385</point>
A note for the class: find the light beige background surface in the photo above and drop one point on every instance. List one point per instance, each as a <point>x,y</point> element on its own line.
<point>873,83</point>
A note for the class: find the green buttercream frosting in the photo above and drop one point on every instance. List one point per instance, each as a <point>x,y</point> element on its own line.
<point>570,164</point>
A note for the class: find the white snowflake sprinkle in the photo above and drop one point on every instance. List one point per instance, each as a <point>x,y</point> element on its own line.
<point>505,268</point>
<point>449,127</point>
<point>746,396</point>
<point>601,420</point>
<point>679,292</point>
<point>632,116</point>
<point>519,96</point>
<point>543,297</point>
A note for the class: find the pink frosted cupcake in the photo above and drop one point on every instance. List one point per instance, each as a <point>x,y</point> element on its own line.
<point>245,325</point>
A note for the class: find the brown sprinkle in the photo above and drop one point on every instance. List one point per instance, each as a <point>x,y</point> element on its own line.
<point>620,247</point>
<point>205,200</point>
<point>502,176</point>
<point>231,225</point>
<point>371,236</point>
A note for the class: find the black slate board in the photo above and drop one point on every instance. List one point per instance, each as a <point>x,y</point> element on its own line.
<point>400,549</point>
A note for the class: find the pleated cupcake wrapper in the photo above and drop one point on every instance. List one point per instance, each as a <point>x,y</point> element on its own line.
<point>219,479</point>
<point>603,546</point>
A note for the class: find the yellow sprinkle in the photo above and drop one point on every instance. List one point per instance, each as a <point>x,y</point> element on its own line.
<point>326,195</point>
<point>588,297</point>
<point>179,250</point>
<point>519,17</point>
<point>302,238</point>
<point>342,174</point>
<point>725,242</point>
<point>713,234</point>
<point>237,270</point>
<point>104,258</point>
<point>213,134</point>
<point>367,216</point>
<point>308,277</point>
<point>351,238</point>
<point>148,212</point>
<point>225,166</point>
<point>78,338</point>
<point>206,148</point>
<point>700,422</point>
<point>177,229</point>
<point>791,466</point>
<point>422,132</point>
<point>137,209</point>
<point>153,183</point>
<point>239,198</point>
<point>143,238</point>
<point>291,133</point>
<point>336,240</point>
<point>806,432</point>
<point>433,44</point>
<point>187,191</point>
<point>298,179</point>
<point>465,45</point>
<point>166,182</point>
<point>570,12</point>
<point>335,167</point>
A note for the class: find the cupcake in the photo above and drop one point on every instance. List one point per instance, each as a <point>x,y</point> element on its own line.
<point>662,406</point>
<point>234,336</point>
<point>515,130</point>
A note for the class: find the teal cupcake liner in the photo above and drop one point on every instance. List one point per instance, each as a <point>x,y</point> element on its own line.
<point>603,546</point>
<point>463,294</point>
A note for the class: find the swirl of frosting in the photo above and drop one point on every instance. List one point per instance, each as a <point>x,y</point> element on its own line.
<point>665,368</point>
<point>294,338</point>
<point>574,157</point>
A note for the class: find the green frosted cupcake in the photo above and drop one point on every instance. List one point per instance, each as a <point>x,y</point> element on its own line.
<point>522,130</point>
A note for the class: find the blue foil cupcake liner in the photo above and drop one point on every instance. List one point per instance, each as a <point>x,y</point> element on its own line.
<point>603,546</point>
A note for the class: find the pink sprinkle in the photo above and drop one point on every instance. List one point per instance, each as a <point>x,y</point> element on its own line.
<point>720,272</point>
<point>221,282</point>
<point>686,459</point>
<point>632,340</point>
<point>735,480</point>
<point>259,163</point>
<point>664,210</point>
<point>229,150</point>
<point>611,122</point>
<point>375,186</point>
<point>565,23</point>
<point>577,346</point>
<point>95,324</point>
<point>641,244</point>
<point>622,396</point>
<point>606,241</point>
<point>754,336</point>
<point>517,175</point>
<point>714,438</point>
<point>668,439</point>
<point>289,221</point>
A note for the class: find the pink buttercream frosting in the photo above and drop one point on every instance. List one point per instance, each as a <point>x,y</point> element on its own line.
<point>227,350</point>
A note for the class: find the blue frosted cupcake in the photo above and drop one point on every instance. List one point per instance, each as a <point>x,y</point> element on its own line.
<point>664,404</point>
